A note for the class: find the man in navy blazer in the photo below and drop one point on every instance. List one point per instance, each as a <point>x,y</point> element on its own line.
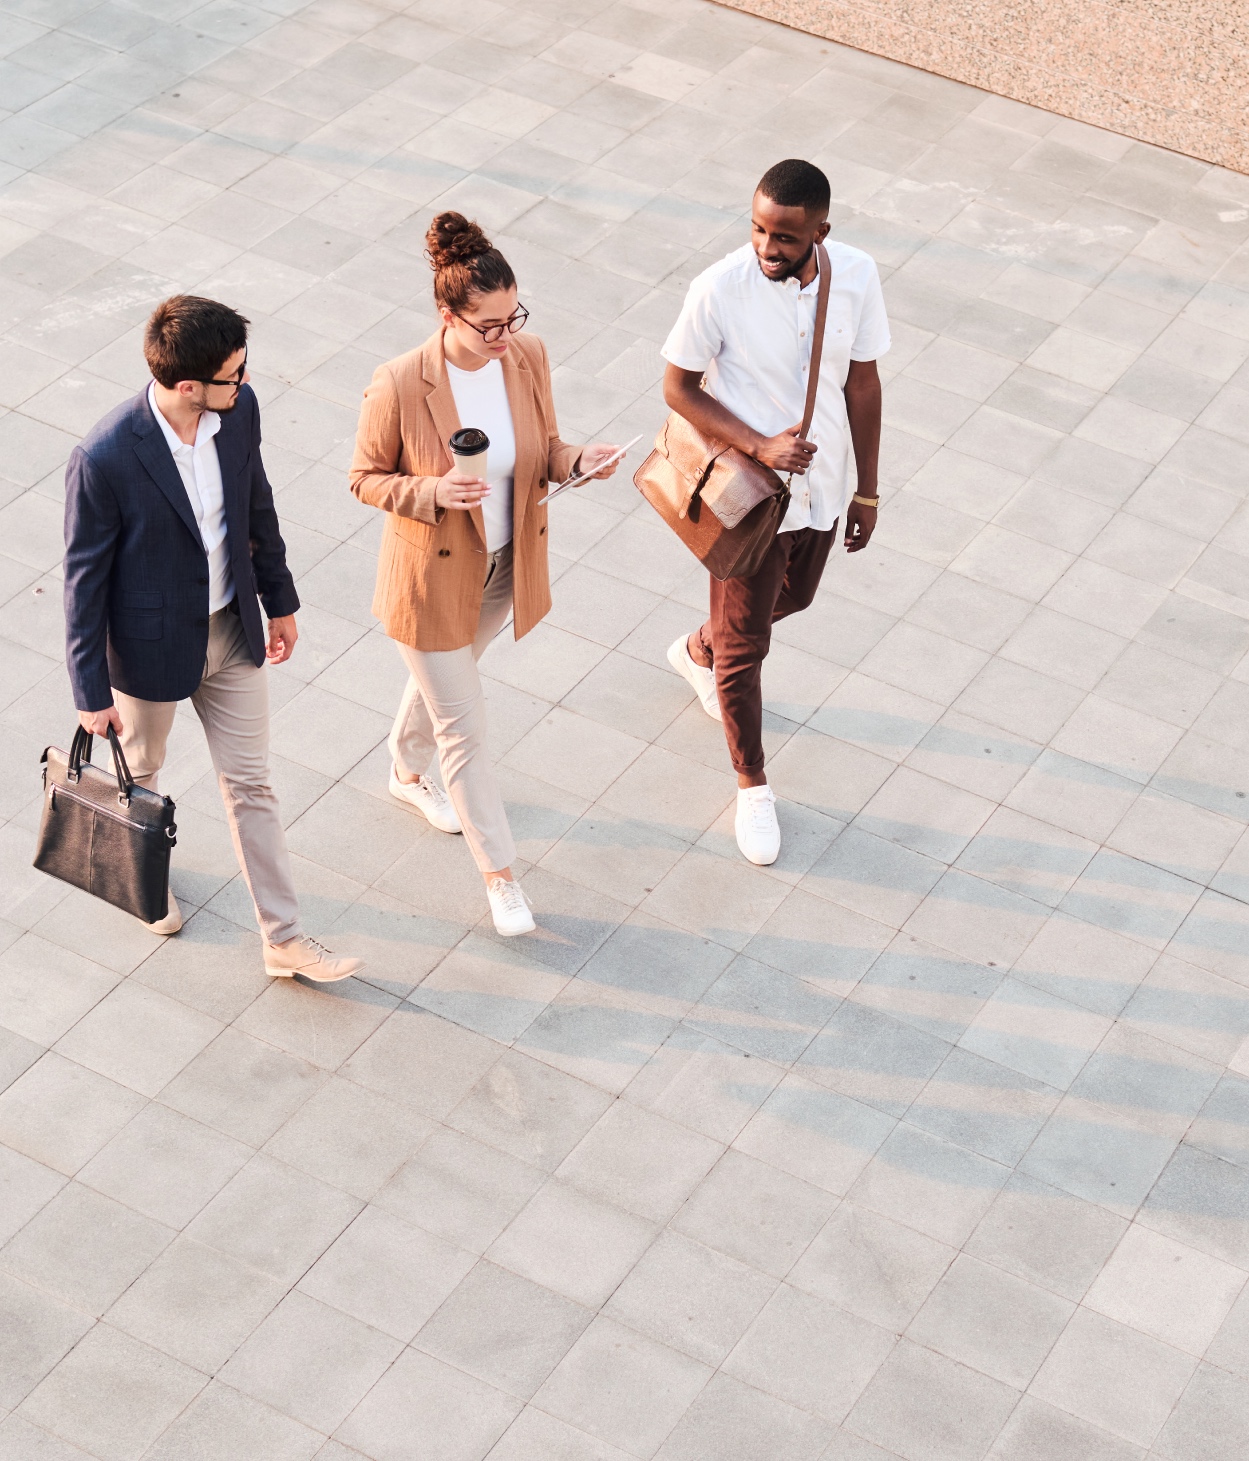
<point>171,546</point>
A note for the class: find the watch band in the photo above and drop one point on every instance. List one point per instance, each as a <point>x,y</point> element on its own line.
<point>867,501</point>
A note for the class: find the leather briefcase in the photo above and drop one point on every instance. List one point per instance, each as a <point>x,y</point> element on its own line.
<point>102,833</point>
<point>725,506</point>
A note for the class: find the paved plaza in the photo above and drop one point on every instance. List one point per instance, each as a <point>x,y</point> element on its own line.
<point>930,1141</point>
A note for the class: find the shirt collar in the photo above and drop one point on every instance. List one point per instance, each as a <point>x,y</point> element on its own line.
<point>209,425</point>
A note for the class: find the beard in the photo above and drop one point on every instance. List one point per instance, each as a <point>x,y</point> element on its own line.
<point>790,271</point>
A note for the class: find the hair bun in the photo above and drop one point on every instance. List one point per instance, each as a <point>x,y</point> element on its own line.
<point>454,239</point>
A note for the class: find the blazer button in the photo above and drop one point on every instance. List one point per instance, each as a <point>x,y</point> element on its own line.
<point>444,552</point>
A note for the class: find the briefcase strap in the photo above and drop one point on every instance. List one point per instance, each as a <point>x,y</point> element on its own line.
<point>817,338</point>
<point>80,750</point>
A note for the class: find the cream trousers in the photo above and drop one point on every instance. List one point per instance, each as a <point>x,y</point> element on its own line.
<point>443,707</point>
<point>232,702</point>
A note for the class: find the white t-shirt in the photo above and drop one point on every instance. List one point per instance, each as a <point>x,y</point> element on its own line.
<point>751,336</point>
<point>481,401</point>
<point>200,471</point>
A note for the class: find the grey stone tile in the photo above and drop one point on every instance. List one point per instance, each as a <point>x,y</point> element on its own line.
<point>524,1107</point>
<point>274,1218</point>
<point>195,1304</point>
<point>22,1441</point>
<point>941,1189</point>
<point>1197,1200</point>
<point>691,1297</point>
<point>503,1329</point>
<point>759,1215</point>
<point>436,1406</point>
<point>578,1246</point>
<point>311,1362</point>
<point>731,1417</point>
<point>871,1266</point>
<point>26,1187</point>
<point>991,1321</point>
<point>926,1407</point>
<point>165,1165</point>
<point>37,1332</point>
<point>623,1388</point>
<point>703,1083</point>
<point>460,1189</point>
<point>1114,1377</point>
<point>386,1273</point>
<point>84,1248</point>
<point>879,1060</point>
<point>637,1160</point>
<point>810,1353</point>
<point>112,1395</point>
<point>138,1037</point>
<point>331,1024</point>
<point>243,1087</point>
<point>1037,1430</point>
<point>1046,1236</point>
<point>349,1137</point>
<point>221,1423</point>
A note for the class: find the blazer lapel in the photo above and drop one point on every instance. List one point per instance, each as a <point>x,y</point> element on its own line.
<point>231,457</point>
<point>446,419</point>
<point>518,379</point>
<point>153,451</point>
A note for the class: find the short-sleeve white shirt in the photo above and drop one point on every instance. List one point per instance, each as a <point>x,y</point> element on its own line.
<point>751,337</point>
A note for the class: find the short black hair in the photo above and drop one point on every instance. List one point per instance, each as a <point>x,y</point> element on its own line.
<point>189,338</point>
<point>796,184</point>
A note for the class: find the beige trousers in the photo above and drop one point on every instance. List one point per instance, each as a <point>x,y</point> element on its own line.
<point>443,707</point>
<point>232,702</point>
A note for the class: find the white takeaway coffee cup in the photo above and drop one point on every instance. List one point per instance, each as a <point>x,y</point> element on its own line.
<point>469,448</point>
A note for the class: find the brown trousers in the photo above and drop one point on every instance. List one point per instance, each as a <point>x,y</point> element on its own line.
<point>737,636</point>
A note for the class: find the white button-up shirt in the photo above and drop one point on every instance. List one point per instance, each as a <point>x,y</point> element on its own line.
<point>200,471</point>
<point>751,337</point>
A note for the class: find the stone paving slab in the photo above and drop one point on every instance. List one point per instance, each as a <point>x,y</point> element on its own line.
<point>929,1142</point>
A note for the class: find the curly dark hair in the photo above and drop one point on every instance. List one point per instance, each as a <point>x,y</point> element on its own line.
<point>464,261</point>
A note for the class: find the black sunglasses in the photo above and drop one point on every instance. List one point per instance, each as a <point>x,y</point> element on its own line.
<point>235,380</point>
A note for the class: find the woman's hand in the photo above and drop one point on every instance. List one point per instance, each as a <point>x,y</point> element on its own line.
<point>594,454</point>
<point>457,490</point>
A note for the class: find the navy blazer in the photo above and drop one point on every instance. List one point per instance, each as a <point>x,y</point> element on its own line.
<point>136,573</point>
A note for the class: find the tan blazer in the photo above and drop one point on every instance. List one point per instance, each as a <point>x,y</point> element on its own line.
<point>432,563</point>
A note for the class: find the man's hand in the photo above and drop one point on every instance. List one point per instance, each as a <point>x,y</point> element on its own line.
<point>787,452</point>
<point>860,525</point>
<point>97,722</point>
<point>282,637</point>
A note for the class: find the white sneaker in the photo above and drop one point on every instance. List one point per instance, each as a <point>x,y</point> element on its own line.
<point>702,680</point>
<point>429,799</point>
<point>758,832</point>
<point>509,908</point>
<point>171,922</point>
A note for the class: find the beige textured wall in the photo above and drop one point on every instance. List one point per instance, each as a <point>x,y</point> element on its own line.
<point>1174,72</point>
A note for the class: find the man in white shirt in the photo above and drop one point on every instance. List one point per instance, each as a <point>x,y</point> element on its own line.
<point>171,546</point>
<point>746,330</point>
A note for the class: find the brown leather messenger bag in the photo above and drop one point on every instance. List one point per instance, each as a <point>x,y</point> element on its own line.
<point>725,506</point>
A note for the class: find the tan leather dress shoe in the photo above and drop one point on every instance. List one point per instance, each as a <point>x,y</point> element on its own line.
<point>171,922</point>
<point>306,957</point>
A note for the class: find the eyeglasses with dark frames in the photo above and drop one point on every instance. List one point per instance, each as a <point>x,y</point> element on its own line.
<point>235,380</point>
<point>491,333</point>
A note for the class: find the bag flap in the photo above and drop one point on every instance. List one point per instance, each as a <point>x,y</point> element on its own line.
<point>736,485</point>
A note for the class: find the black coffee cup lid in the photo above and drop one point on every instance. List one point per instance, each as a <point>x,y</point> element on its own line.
<point>468,441</point>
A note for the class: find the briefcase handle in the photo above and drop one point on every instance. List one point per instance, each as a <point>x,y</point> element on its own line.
<point>80,749</point>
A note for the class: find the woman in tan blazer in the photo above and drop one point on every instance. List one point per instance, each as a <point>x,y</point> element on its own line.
<point>460,552</point>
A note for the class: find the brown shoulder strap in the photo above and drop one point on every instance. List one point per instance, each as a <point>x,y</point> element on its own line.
<point>817,338</point>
